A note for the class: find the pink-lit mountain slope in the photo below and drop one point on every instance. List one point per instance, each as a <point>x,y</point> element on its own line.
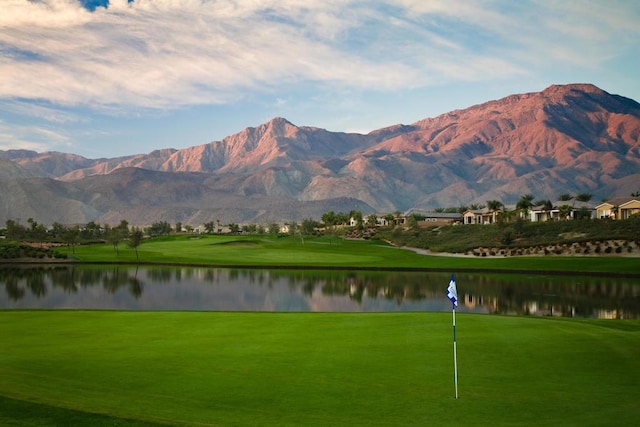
<point>566,139</point>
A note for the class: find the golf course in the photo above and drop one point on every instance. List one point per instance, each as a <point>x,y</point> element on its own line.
<point>148,368</point>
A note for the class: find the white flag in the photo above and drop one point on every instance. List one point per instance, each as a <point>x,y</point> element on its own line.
<point>452,292</point>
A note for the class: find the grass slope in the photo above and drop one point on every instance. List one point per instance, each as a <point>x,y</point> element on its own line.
<point>325,252</point>
<point>207,368</point>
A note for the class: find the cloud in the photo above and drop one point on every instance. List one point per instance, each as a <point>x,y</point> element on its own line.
<point>39,112</point>
<point>30,137</point>
<point>163,54</point>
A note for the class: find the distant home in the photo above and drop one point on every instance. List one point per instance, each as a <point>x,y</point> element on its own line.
<point>435,218</point>
<point>381,221</point>
<point>563,210</point>
<point>480,216</point>
<point>428,219</point>
<point>618,208</point>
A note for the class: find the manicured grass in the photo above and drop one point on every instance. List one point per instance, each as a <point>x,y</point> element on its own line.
<point>323,252</point>
<point>208,368</point>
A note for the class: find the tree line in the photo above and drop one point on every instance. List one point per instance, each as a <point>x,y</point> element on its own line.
<point>74,235</point>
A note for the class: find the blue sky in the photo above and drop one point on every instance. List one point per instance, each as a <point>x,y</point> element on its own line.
<point>111,78</point>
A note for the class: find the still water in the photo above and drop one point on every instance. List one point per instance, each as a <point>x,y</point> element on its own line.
<point>221,289</point>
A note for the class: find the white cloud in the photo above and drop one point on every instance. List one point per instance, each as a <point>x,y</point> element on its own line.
<point>39,112</point>
<point>171,53</point>
<point>20,14</point>
<point>26,137</point>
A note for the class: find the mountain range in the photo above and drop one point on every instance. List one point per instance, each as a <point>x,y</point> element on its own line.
<point>572,139</point>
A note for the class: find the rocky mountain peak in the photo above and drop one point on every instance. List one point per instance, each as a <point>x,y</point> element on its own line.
<point>565,139</point>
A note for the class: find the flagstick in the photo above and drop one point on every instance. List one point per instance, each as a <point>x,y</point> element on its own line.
<point>455,355</point>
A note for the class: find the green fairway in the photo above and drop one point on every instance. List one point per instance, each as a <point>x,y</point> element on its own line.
<point>216,368</point>
<point>324,252</point>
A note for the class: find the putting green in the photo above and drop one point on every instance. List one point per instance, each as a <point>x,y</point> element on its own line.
<point>213,368</point>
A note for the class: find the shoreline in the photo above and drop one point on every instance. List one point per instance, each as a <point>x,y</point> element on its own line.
<point>27,263</point>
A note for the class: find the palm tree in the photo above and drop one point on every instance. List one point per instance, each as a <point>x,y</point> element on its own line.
<point>390,218</point>
<point>584,197</point>
<point>525,204</point>
<point>494,207</point>
<point>564,212</point>
<point>565,197</point>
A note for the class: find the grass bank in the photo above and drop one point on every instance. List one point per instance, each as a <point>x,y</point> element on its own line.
<point>331,253</point>
<point>186,368</point>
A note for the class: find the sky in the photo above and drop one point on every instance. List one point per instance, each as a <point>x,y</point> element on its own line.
<point>104,78</point>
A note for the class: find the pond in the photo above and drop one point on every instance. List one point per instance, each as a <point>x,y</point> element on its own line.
<point>223,289</point>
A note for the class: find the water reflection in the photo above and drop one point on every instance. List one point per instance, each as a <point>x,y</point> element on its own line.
<point>191,288</point>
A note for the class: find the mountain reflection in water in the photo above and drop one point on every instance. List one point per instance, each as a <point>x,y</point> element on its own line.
<point>221,289</point>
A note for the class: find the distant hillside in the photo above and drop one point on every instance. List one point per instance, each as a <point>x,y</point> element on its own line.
<point>566,139</point>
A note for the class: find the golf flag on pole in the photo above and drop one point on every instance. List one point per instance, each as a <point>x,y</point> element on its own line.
<point>452,292</point>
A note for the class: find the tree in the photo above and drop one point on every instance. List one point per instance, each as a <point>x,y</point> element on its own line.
<point>564,212</point>
<point>293,228</point>
<point>71,237</point>
<point>91,231</point>
<point>274,228</point>
<point>124,228</point>
<point>357,216</point>
<point>506,217</point>
<point>57,230</point>
<point>209,227</point>
<point>15,231</point>
<point>37,232</point>
<point>546,205</point>
<point>342,218</point>
<point>565,197</point>
<point>372,220</point>
<point>584,197</point>
<point>234,228</point>
<point>615,210</point>
<point>494,205</point>
<point>159,228</point>
<point>308,227</point>
<point>412,221</point>
<point>114,237</point>
<point>135,240</point>
<point>178,227</point>
<point>329,219</point>
<point>525,204</point>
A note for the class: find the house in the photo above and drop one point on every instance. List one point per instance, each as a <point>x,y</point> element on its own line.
<point>562,210</point>
<point>435,218</point>
<point>618,208</point>
<point>427,219</point>
<point>381,221</point>
<point>480,216</point>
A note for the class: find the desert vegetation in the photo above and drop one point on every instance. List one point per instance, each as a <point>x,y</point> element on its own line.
<point>524,237</point>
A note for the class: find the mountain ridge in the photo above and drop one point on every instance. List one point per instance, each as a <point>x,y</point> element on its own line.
<point>565,139</point>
